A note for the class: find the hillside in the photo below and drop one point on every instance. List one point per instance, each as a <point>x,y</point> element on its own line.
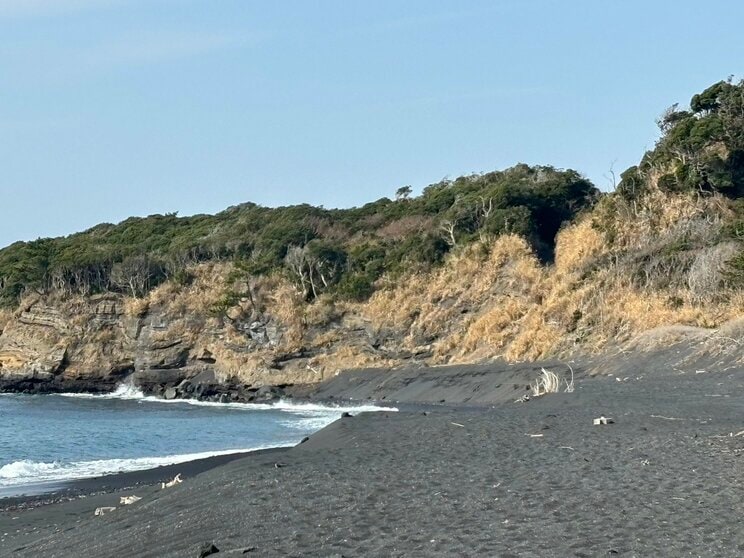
<point>521,264</point>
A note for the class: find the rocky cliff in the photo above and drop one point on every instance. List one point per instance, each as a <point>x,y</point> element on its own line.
<point>172,338</point>
<point>662,276</point>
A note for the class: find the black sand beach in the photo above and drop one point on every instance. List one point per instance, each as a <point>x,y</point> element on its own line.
<point>504,479</point>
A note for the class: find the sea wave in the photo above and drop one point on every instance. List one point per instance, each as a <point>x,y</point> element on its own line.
<point>27,472</point>
<point>129,392</point>
<point>303,417</point>
<point>122,391</point>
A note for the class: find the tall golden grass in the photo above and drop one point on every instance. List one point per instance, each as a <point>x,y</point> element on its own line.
<point>6,316</point>
<point>505,304</point>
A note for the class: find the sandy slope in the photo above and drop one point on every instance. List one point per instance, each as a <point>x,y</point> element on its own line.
<point>665,480</point>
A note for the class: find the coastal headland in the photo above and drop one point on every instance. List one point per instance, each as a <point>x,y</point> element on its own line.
<point>567,363</point>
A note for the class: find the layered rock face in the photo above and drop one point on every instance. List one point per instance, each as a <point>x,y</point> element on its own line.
<point>93,344</point>
<point>49,349</point>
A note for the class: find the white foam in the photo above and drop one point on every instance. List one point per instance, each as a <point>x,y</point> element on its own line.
<point>26,472</point>
<point>301,416</point>
<point>122,391</point>
<point>129,392</point>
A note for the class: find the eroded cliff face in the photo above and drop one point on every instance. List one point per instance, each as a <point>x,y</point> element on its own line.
<point>77,345</point>
<point>490,300</point>
<point>173,337</point>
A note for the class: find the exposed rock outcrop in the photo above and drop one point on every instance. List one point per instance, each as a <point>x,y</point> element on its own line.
<point>93,344</point>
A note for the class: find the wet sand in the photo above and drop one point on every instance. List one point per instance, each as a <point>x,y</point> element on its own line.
<point>508,479</point>
<point>44,494</point>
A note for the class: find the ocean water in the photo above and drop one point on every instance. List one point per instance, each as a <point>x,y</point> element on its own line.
<point>52,438</point>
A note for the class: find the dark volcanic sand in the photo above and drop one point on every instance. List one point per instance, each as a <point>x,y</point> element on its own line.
<point>665,480</point>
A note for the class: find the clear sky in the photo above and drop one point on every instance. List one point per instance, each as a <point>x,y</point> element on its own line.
<point>112,108</point>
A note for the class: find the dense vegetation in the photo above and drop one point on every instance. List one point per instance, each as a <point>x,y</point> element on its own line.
<point>700,149</point>
<point>345,251</point>
<point>339,250</point>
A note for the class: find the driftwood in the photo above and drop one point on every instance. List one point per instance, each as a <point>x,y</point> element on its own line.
<point>104,510</point>
<point>127,500</point>
<point>176,480</point>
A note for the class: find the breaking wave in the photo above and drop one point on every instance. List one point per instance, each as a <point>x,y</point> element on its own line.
<point>284,427</point>
<point>129,392</point>
<point>26,472</point>
<point>122,391</point>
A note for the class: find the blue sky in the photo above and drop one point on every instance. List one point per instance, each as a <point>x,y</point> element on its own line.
<point>112,108</point>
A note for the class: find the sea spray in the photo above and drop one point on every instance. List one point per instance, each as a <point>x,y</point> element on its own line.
<point>122,391</point>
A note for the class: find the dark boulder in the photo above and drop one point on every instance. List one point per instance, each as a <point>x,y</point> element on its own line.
<point>205,391</point>
<point>186,388</point>
<point>269,393</point>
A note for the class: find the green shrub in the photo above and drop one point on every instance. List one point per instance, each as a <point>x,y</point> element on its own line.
<point>346,248</point>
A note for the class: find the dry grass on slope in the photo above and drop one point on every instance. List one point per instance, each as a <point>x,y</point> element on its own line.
<point>592,297</point>
<point>615,275</point>
<point>5,317</point>
<point>199,296</point>
<point>431,306</point>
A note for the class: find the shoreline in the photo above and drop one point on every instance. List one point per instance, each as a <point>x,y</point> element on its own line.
<point>55,491</point>
<point>349,390</point>
<point>475,478</point>
<point>41,493</point>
